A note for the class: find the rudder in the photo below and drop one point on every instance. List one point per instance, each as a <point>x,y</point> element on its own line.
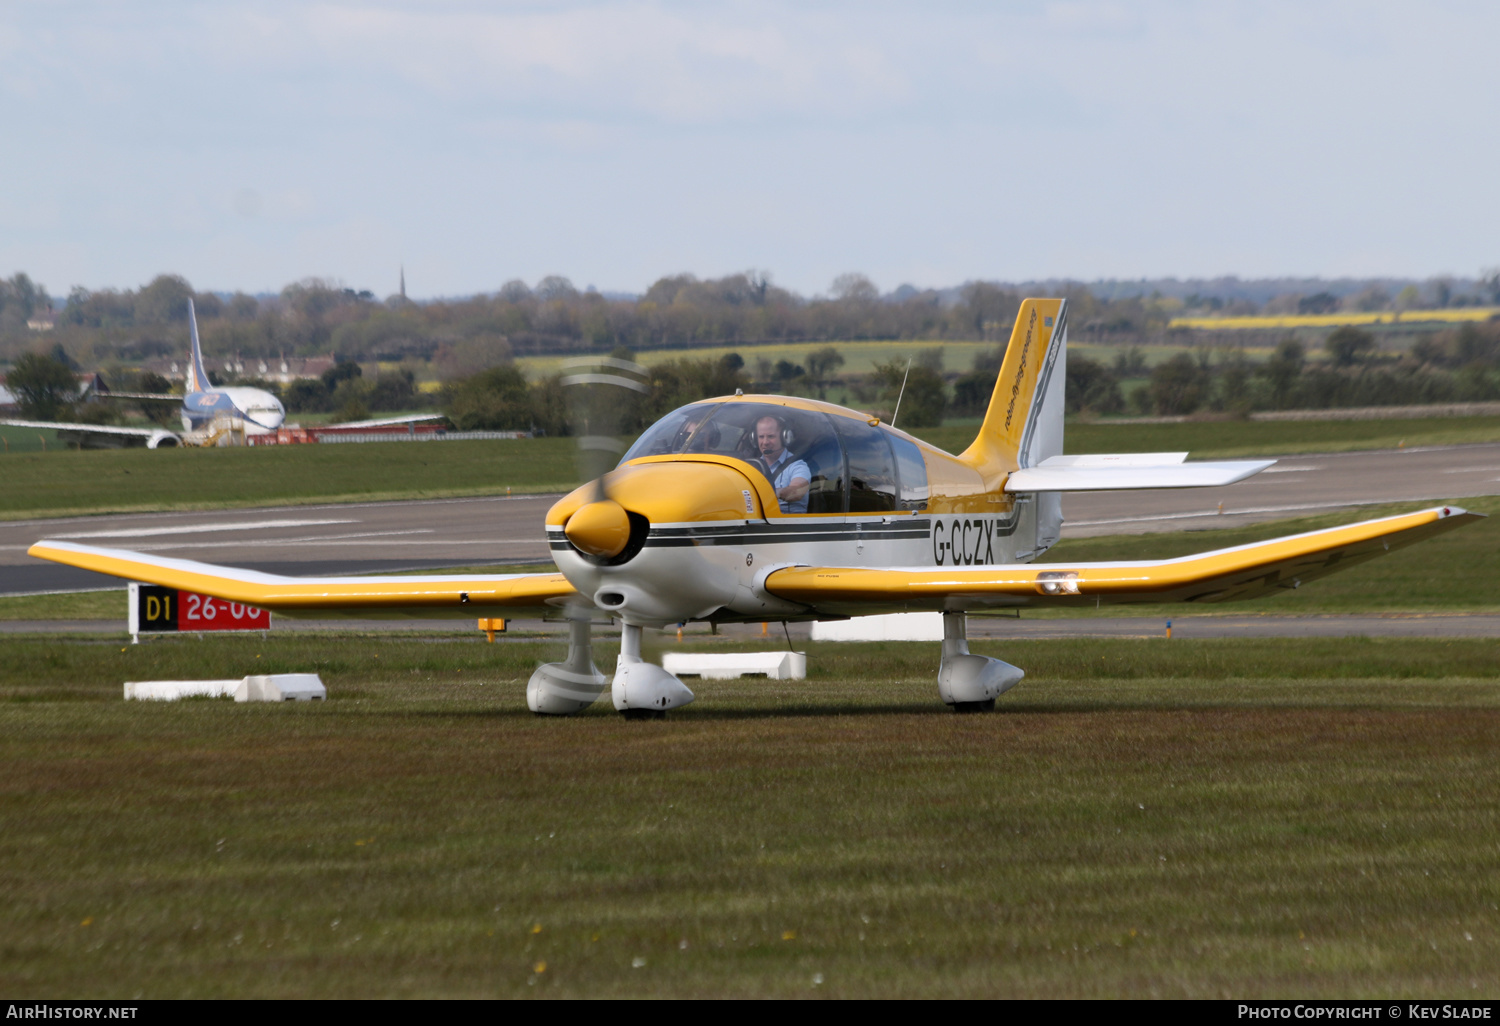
<point>1024,422</point>
<point>197,374</point>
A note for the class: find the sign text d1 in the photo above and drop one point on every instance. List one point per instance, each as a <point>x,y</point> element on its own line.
<point>154,609</point>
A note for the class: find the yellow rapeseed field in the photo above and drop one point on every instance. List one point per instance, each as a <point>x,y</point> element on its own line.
<point>1468,313</point>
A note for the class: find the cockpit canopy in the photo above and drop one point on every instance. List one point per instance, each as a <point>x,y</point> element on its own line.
<point>854,466</point>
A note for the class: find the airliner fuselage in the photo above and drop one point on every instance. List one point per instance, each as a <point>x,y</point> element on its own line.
<point>261,411</point>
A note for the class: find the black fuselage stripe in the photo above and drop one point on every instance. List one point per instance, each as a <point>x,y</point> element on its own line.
<point>668,543</point>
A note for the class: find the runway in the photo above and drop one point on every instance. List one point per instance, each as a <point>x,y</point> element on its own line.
<point>388,536</point>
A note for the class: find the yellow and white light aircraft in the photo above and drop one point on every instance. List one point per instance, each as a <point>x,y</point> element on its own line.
<point>750,508</point>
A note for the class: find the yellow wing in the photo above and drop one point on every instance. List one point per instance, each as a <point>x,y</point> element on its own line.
<point>1241,572</point>
<point>458,597</point>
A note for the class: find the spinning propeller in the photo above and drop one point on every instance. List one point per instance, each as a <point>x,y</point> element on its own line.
<point>601,399</point>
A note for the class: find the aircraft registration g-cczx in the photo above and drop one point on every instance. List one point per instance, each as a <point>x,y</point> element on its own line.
<point>750,508</point>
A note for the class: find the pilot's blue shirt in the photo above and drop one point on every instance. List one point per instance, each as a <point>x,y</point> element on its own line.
<point>783,472</point>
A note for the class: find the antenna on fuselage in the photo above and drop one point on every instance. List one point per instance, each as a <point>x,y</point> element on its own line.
<point>897,412</point>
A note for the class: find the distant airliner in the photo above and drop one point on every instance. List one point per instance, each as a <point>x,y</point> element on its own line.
<point>258,411</point>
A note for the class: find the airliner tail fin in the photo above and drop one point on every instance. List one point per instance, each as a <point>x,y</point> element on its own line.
<point>197,375</point>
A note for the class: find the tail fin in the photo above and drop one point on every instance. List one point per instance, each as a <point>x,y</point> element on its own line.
<point>1024,424</point>
<point>197,376</point>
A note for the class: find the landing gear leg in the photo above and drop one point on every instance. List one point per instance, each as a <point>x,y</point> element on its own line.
<point>571,686</point>
<point>970,683</point>
<point>643,690</point>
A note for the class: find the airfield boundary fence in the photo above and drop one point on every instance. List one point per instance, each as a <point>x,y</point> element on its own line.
<point>325,438</point>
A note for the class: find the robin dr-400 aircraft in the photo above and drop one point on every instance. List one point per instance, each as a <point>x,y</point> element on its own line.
<point>750,508</point>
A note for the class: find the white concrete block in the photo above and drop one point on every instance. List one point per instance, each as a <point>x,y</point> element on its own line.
<point>281,687</point>
<point>277,687</point>
<point>171,690</point>
<point>725,665</point>
<point>882,627</point>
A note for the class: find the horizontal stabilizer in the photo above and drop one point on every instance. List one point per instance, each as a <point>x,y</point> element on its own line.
<point>442,596</point>
<point>1117,459</point>
<point>166,397</point>
<point>1241,572</point>
<point>1129,471</point>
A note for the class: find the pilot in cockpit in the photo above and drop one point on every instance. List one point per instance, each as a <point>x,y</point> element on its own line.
<point>688,438</point>
<point>789,475</point>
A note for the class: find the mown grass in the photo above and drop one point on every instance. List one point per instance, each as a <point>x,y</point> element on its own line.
<point>68,605</point>
<point>1300,818</point>
<point>125,480</point>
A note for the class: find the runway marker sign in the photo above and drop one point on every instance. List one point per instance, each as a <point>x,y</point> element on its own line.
<point>154,610</point>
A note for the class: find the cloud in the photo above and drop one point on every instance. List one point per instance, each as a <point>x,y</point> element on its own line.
<point>677,65</point>
<point>621,139</point>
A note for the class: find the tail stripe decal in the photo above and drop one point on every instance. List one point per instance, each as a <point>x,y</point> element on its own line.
<point>1015,387</point>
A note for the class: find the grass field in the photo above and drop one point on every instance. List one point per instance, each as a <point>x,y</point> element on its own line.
<point>62,483</point>
<point>1308,818</point>
<point>121,480</point>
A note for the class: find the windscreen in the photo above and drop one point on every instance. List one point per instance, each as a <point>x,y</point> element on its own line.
<point>670,434</point>
<point>796,450</point>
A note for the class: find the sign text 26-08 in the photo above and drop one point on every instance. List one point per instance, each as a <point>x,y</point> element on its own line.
<point>154,609</point>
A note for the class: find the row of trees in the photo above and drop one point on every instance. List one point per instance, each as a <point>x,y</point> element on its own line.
<point>1455,366</point>
<point>461,336</point>
<point>464,336</point>
<point>21,299</point>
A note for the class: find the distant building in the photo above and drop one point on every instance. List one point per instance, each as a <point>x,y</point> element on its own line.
<point>42,321</point>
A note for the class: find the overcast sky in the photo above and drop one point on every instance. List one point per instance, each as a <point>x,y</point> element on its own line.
<point>247,145</point>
